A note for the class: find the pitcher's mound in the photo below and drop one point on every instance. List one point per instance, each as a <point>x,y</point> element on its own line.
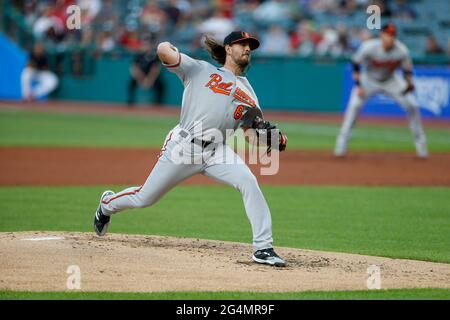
<point>39,261</point>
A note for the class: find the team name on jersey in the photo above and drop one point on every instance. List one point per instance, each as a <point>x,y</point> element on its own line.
<point>243,97</point>
<point>217,86</point>
<point>389,64</point>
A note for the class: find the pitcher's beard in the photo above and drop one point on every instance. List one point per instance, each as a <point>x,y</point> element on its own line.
<point>243,63</point>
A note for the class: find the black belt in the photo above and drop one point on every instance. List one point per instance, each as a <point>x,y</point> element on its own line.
<point>201,143</point>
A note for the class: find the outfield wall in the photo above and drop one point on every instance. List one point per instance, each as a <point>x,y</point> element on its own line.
<point>281,83</point>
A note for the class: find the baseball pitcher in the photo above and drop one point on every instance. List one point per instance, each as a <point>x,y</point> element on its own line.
<point>381,58</point>
<point>218,99</point>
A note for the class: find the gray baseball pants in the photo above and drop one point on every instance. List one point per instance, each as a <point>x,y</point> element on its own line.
<point>217,161</point>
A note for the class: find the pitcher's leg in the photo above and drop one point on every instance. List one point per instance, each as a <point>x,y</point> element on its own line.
<point>164,176</point>
<point>351,113</point>
<point>241,178</point>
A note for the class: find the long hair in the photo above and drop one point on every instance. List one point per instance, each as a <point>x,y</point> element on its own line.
<point>216,50</point>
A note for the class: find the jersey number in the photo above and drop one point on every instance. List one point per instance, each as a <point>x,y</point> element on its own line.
<point>238,112</point>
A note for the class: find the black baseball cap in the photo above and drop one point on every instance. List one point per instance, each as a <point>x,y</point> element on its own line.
<point>390,28</point>
<point>238,36</point>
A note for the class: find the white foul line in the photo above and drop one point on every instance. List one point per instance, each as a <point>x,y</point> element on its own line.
<point>43,238</point>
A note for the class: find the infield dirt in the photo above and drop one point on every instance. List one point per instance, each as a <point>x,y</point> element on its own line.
<point>93,166</point>
<point>134,263</point>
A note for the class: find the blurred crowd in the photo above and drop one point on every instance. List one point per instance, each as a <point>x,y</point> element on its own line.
<point>296,27</point>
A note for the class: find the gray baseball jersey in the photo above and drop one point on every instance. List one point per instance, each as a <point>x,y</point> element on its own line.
<point>380,64</point>
<point>212,95</point>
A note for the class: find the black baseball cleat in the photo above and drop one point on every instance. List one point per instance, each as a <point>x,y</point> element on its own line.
<point>101,221</point>
<point>268,256</point>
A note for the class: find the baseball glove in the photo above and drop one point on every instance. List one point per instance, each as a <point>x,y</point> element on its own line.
<point>267,132</point>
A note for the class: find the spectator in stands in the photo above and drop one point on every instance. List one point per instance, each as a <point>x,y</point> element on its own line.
<point>344,7</point>
<point>129,39</point>
<point>173,12</point>
<point>355,40</point>
<point>90,9</point>
<point>402,10</point>
<point>275,41</point>
<point>153,17</point>
<point>185,21</point>
<point>304,39</point>
<point>227,7</point>
<point>334,7</point>
<point>244,17</point>
<point>199,9</point>
<point>49,26</point>
<point>385,10</point>
<point>60,10</point>
<point>87,37</point>
<point>185,6</point>
<point>187,37</point>
<point>356,37</point>
<point>433,46</point>
<point>272,11</point>
<point>31,12</point>
<point>313,7</point>
<point>362,4</point>
<point>145,73</point>
<point>105,42</point>
<point>334,41</point>
<point>343,45</point>
<point>108,16</point>
<point>37,80</point>
<point>217,27</point>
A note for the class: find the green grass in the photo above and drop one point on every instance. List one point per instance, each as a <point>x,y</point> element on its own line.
<point>400,294</point>
<point>411,223</point>
<point>27,128</point>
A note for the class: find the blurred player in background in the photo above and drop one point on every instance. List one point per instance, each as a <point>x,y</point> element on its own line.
<point>37,80</point>
<point>146,73</point>
<point>381,58</point>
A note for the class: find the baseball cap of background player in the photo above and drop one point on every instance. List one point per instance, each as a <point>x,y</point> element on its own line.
<point>237,36</point>
<point>390,29</point>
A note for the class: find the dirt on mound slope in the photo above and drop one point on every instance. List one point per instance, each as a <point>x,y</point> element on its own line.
<point>125,263</point>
